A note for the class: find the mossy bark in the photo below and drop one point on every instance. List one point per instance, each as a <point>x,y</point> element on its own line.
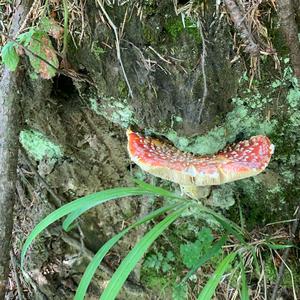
<point>162,61</point>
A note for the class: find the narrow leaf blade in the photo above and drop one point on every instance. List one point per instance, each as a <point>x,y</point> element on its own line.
<point>209,289</point>
<point>244,291</point>
<point>97,259</point>
<point>90,201</point>
<point>156,190</point>
<point>130,261</point>
<point>279,246</point>
<point>147,188</point>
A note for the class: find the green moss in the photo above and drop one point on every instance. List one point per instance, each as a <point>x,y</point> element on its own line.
<point>39,146</point>
<point>161,284</point>
<point>149,7</point>
<point>151,34</point>
<point>240,120</point>
<point>272,274</point>
<point>175,26</point>
<point>122,89</point>
<point>115,110</point>
<point>97,50</point>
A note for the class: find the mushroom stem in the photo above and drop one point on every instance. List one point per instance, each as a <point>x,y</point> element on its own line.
<point>196,192</point>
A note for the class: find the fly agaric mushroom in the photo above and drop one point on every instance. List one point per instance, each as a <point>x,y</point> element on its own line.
<point>244,159</point>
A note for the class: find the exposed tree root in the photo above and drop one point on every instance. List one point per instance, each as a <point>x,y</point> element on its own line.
<point>239,21</point>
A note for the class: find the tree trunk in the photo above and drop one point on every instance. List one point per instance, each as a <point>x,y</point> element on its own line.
<point>289,28</point>
<point>10,94</point>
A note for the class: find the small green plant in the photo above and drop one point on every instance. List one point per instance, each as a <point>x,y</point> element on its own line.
<point>160,262</point>
<point>35,43</point>
<point>38,48</point>
<point>191,252</point>
<point>9,56</point>
<point>96,49</point>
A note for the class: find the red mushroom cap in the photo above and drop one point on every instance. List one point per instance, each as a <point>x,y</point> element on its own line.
<point>244,159</point>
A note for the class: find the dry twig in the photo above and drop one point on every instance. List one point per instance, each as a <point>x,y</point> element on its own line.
<point>285,255</point>
<point>15,275</point>
<point>115,30</point>
<point>57,201</point>
<point>203,56</point>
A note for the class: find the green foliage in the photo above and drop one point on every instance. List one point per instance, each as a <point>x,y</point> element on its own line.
<point>191,252</point>
<point>39,49</point>
<point>194,255</point>
<point>9,56</point>
<point>97,50</point>
<point>160,262</point>
<point>83,203</point>
<point>180,292</point>
<point>129,262</point>
<point>272,273</point>
<point>244,289</point>
<point>25,38</point>
<point>92,267</point>
<point>212,252</point>
<point>160,284</point>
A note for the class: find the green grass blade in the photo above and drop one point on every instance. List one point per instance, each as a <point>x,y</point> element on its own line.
<point>67,223</point>
<point>244,291</point>
<point>156,190</point>
<point>279,246</point>
<point>209,289</point>
<point>96,261</point>
<point>87,201</point>
<point>210,253</point>
<point>255,261</point>
<point>147,188</point>
<point>229,226</point>
<point>130,261</point>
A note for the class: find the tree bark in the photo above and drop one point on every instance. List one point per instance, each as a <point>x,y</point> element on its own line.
<point>287,16</point>
<point>297,11</point>
<point>10,94</point>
